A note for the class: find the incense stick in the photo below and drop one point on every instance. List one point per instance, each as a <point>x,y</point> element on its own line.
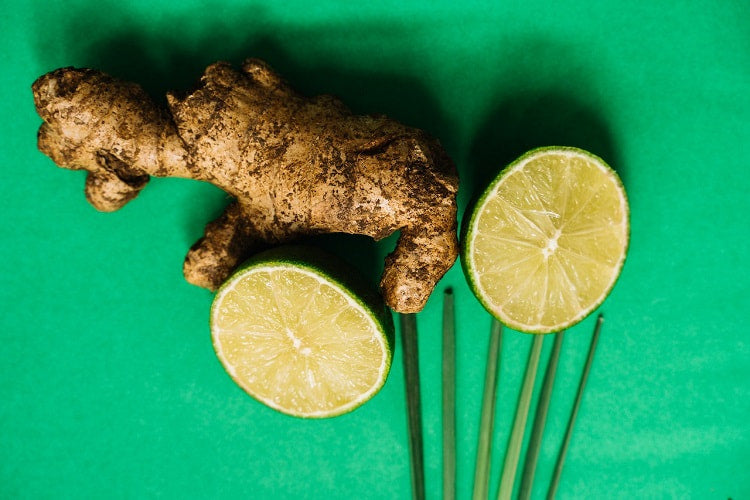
<point>487,422</point>
<point>554,483</point>
<point>413,404</point>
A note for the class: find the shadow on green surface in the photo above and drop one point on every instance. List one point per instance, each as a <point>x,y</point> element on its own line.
<point>530,120</point>
<point>174,57</point>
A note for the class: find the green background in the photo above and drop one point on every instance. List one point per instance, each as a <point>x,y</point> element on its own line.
<point>109,386</point>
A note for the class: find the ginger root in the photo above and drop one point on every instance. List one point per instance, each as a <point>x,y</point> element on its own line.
<point>296,166</point>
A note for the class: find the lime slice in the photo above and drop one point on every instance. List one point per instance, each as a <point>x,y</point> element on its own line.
<point>291,330</point>
<point>547,239</point>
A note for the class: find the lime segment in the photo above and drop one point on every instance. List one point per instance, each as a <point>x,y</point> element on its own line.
<point>298,340</point>
<point>547,240</point>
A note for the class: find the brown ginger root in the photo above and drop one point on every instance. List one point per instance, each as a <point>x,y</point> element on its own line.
<point>296,166</point>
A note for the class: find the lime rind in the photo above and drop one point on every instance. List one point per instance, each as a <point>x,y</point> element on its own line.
<point>326,269</point>
<point>470,222</point>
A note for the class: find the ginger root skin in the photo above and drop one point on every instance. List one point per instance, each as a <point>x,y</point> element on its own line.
<point>296,167</point>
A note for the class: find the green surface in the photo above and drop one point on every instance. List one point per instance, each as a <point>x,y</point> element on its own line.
<point>109,386</point>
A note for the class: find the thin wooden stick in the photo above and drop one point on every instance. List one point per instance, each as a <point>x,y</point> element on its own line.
<point>519,422</point>
<point>487,422</point>
<point>555,481</point>
<point>537,431</point>
<point>413,404</point>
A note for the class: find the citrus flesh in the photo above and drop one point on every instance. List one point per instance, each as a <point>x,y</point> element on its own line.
<point>547,240</point>
<point>299,341</point>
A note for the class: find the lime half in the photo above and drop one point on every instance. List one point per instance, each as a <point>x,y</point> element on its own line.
<point>546,241</point>
<point>301,337</point>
